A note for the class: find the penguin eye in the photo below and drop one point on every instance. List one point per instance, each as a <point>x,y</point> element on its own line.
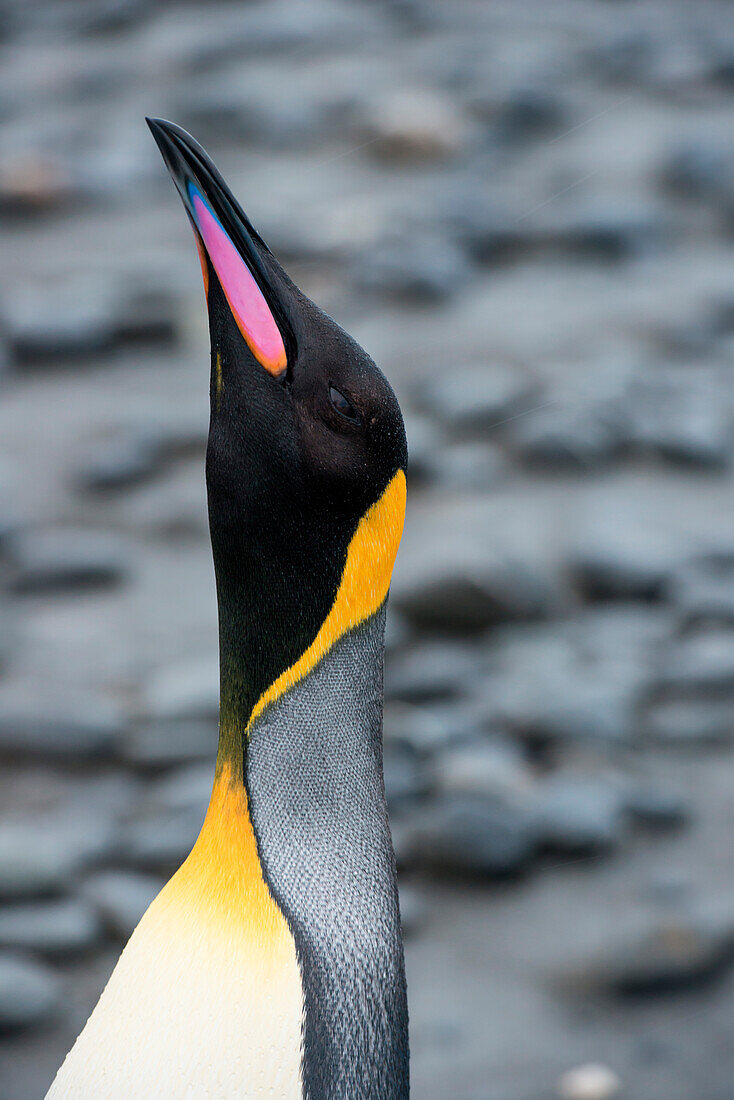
<point>343,406</point>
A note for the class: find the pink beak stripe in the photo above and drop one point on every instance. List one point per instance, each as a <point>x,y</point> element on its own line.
<point>246,300</point>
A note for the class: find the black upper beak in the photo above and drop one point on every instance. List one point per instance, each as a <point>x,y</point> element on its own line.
<point>191,168</point>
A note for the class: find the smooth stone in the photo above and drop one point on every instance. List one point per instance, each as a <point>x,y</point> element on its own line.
<point>75,327</point>
<point>579,814</point>
<point>187,788</point>
<point>146,318</point>
<point>620,563</point>
<point>158,840</point>
<point>120,898</point>
<point>119,463</point>
<point>413,128</point>
<point>592,1081</point>
<point>470,465</point>
<point>459,593</point>
<point>41,857</point>
<point>680,416</point>
<point>671,954</point>
<point>30,992</point>
<point>526,114</point>
<point>492,768</point>
<point>423,269</point>
<point>425,444</point>
<point>189,689</point>
<point>57,928</point>
<point>33,184</point>
<point>429,728</point>
<point>566,437</point>
<point>611,234</point>
<point>703,593</point>
<point>656,808</point>
<point>413,911</point>
<point>64,559</point>
<point>698,665</point>
<point>477,398</point>
<point>467,835</point>
<point>406,780</point>
<point>156,744</point>
<point>698,170</point>
<point>431,671</point>
<point>690,722</point>
<point>489,235</point>
<point>86,728</point>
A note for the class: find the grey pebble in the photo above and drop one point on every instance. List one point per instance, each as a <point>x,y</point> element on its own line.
<point>120,898</point>
<point>59,929</point>
<point>30,992</point>
<point>65,559</point>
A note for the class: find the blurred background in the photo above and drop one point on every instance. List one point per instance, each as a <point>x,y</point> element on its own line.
<point>525,212</point>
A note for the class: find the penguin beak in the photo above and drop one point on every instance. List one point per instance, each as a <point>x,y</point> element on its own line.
<point>228,246</point>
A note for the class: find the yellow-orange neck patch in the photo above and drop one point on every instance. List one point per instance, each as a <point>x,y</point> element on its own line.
<point>363,588</point>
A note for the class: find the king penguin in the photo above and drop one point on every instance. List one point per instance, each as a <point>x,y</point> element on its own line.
<point>271,964</point>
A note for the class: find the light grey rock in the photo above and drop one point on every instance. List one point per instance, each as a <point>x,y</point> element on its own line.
<point>655,807</point>
<point>464,834</point>
<point>155,744</point>
<point>466,466</point>
<point>477,398</point>
<point>703,593</point>
<point>413,911</point>
<point>412,127</point>
<point>566,436</point>
<point>406,777</point>
<point>30,992</point>
<point>55,928</point>
<point>690,722</point>
<point>432,671</point>
<point>43,855</point>
<point>579,814</point>
<point>187,690</point>
<point>669,954</point>
<point>120,898</point>
<point>621,563</point>
<point>65,559</point>
<point>459,593</point>
<point>160,840</point>
<point>61,728</point>
<point>429,728</point>
<point>119,462</point>
<point>187,788</point>
<point>421,269</point>
<point>492,768</point>
<point>699,665</point>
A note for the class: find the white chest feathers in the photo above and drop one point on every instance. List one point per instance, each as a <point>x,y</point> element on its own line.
<point>206,1000</point>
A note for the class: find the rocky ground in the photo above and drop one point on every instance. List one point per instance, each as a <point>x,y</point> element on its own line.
<point>526,213</point>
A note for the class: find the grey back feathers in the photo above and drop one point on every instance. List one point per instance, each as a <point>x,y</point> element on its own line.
<point>317,801</point>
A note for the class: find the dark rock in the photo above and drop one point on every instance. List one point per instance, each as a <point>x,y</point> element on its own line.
<point>672,954</point>
<point>159,840</point>
<point>30,992</point>
<point>620,563</point>
<point>32,184</point>
<point>415,127</point>
<point>187,690</point>
<point>579,814</point>
<point>698,665</point>
<point>489,235</point>
<point>698,170</point>
<point>458,593</point>
<point>406,779</point>
<point>421,269</point>
<point>492,768</point>
<point>118,463</point>
<point>474,836</point>
<point>60,560</point>
<point>680,417</point>
<point>477,398</point>
<point>432,671</point>
<point>471,465</point>
<point>703,593</point>
<point>567,437</point>
<point>161,743</point>
<point>690,722</point>
<point>55,928</point>
<point>429,728</point>
<point>527,114</point>
<point>86,728</point>
<point>120,898</point>
<point>656,808</point>
<point>42,856</point>
<point>611,234</point>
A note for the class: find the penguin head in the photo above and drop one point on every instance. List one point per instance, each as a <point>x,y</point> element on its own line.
<point>306,435</point>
